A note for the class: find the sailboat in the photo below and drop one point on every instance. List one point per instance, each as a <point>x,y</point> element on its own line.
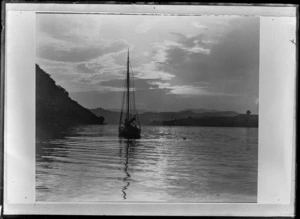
<point>129,124</point>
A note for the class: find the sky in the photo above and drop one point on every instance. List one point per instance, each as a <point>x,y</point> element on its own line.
<point>179,62</point>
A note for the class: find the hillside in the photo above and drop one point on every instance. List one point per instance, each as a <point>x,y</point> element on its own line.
<point>55,110</point>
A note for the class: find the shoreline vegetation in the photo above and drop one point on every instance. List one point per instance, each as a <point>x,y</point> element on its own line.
<point>56,111</point>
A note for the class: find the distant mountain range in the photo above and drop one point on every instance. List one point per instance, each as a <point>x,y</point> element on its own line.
<point>148,118</point>
<point>201,110</point>
<point>118,110</point>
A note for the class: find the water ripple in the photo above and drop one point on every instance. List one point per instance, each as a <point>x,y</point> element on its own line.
<point>168,164</point>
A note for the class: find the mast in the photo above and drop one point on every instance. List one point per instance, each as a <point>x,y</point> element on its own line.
<point>129,128</point>
<point>128,86</point>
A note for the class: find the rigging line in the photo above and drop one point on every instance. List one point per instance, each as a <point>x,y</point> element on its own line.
<point>136,112</point>
<point>122,106</point>
<point>133,91</point>
<point>133,96</point>
<point>129,102</point>
<point>129,95</point>
<point>128,87</point>
<point>137,116</point>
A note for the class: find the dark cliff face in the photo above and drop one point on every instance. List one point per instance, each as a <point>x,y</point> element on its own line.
<point>55,110</point>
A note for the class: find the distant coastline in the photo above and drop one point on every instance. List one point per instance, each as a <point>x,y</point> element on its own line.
<point>199,117</point>
<point>235,121</point>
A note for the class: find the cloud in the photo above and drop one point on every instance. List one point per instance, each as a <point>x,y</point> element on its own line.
<point>147,84</point>
<point>106,89</point>
<point>233,57</point>
<point>139,84</point>
<point>188,90</point>
<point>67,52</point>
<point>197,25</point>
<point>88,68</point>
<point>238,53</point>
<point>188,68</point>
<point>144,26</point>
<point>75,38</point>
<point>185,90</point>
<point>70,27</point>
<point>116,85</point>
<point>150,71</point>
<point>175,59</point>
<point>193,44</point>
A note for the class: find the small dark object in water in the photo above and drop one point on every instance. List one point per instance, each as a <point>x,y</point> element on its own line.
<point>184,138</point>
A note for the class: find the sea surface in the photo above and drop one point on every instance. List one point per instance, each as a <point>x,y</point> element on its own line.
<point>89,163</point>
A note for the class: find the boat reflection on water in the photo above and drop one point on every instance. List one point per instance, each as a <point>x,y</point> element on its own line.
<point>126,144</point>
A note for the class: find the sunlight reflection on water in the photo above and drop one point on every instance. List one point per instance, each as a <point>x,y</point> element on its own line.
<point>168,164</point>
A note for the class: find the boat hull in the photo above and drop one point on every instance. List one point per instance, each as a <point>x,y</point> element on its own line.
<point>130,132</point>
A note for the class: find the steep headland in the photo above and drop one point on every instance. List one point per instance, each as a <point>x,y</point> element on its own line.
<point>55,110</point>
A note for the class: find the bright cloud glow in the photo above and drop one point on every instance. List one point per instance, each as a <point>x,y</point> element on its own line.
<point>197,25</point>
<point>144,26</point>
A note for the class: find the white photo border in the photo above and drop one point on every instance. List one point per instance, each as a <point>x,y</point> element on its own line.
<point>277,86</point>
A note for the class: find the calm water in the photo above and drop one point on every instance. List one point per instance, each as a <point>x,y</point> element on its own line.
<point>90,163</point>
